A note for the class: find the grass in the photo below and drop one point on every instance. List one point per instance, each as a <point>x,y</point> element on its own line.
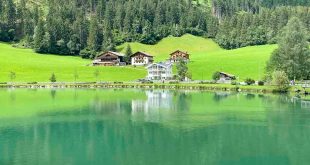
<point>206,58</point>
<point>30,67</point>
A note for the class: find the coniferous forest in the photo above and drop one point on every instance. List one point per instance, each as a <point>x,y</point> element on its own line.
<point>84,27</point>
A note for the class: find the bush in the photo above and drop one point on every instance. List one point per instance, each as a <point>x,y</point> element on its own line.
<point>234,83</point>
<point>118,82</point>
<point>87,54</point>
<point>174,82</point>
<point>216,76</point>
<point>280,79</point>
<point>32,83</point>
<point>261,83</point>
<point>249,81</point>
<point>53,78</point>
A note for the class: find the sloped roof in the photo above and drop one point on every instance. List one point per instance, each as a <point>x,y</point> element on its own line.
<point>163,64</point>
<point>179,51</point>
<point>145,54</point>
<point>227,74</point>
<point>114,53</point>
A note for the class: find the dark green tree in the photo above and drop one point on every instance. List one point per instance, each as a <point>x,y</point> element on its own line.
<point>39,37</point>
<point>128,53</point>
<point>293,55</point>
<point>182,69</point>
<point>93,41</point>
<point>53,78</point>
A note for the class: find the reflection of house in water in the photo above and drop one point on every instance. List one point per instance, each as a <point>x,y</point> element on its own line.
<point>157,101</point>
<point>305,104</point>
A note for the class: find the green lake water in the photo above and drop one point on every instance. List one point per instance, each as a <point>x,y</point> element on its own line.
<point>145,127</point>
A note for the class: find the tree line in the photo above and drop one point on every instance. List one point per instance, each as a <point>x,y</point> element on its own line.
<point>85,27</point>
<point>246,29</point>
<point>71,27</point>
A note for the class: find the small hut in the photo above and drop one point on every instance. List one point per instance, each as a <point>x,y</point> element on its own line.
<point>226,76</point>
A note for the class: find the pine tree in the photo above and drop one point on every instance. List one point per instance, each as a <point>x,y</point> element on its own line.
<point>10,14</point>
<point>128,53</point>
<point>53,78</point>
<point>39,37</point>
<point>93,41</point>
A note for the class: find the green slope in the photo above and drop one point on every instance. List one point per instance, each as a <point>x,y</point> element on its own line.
<point>30,67</point>
<point>206,58</point>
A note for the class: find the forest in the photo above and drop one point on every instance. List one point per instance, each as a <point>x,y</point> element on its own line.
<point>85,27</point>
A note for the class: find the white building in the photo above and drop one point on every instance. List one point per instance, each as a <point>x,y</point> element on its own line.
<point>160,71</point>
<point>141,59</point>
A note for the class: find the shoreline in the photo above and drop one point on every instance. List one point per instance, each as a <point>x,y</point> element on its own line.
<point>179,86</point>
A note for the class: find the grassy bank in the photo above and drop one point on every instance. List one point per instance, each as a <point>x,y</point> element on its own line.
<point>208,87</point>
<point>206,58</point>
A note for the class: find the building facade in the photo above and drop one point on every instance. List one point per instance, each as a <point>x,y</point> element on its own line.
<point>109,59</point>
<point>141,59</point>
<point>160,71</point>
<point>179,55</point>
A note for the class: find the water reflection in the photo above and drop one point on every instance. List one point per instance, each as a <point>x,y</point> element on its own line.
<point>154,127</point>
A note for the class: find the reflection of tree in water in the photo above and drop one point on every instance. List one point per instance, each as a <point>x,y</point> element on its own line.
<point>219,96</point>
<point>12,95</point>
<point>250,96</point>
<point>183,101</point>
<point>289,124</point>
<point>53,93</point>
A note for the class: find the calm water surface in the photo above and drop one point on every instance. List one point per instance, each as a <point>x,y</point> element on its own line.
<point>137,127</point>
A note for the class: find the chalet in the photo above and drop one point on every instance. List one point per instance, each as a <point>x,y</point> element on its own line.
<point>141,58</point>
<point>226,77</point>
<point>177,55</point>
<point>160,71</point>
<point>109,59</point>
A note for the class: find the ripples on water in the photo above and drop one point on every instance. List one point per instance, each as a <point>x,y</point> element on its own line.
<point>136,127</point>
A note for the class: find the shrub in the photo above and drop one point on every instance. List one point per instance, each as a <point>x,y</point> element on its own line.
<point>118,82</point>
<point>261,83</point>
<point>87,54</point>
<point>174,82</point>
<point>234,83</point>
<point>32,83</point>
<point>53,78</point>
<point>216,76</point>
<point>249,81</point>
<point>280,79</point>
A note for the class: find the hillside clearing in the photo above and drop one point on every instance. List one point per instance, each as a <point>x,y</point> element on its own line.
<point>206,58</point>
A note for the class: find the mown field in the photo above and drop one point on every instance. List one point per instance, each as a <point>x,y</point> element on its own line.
<point>206,58</point>
<point>30,67</point>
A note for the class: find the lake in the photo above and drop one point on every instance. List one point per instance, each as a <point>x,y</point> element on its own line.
<point>151,127</point>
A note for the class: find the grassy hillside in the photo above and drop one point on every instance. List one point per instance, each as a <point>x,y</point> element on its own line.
<point>30,67</point>
<point>206,58</point>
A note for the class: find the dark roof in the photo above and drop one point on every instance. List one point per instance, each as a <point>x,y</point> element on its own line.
<point>115,53</point>
<point>227,74</point>
<point>179,51</point>
<point>148,55</point>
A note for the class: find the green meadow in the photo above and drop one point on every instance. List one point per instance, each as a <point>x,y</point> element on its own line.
<point>206,58</point>
<point>30,67</point>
